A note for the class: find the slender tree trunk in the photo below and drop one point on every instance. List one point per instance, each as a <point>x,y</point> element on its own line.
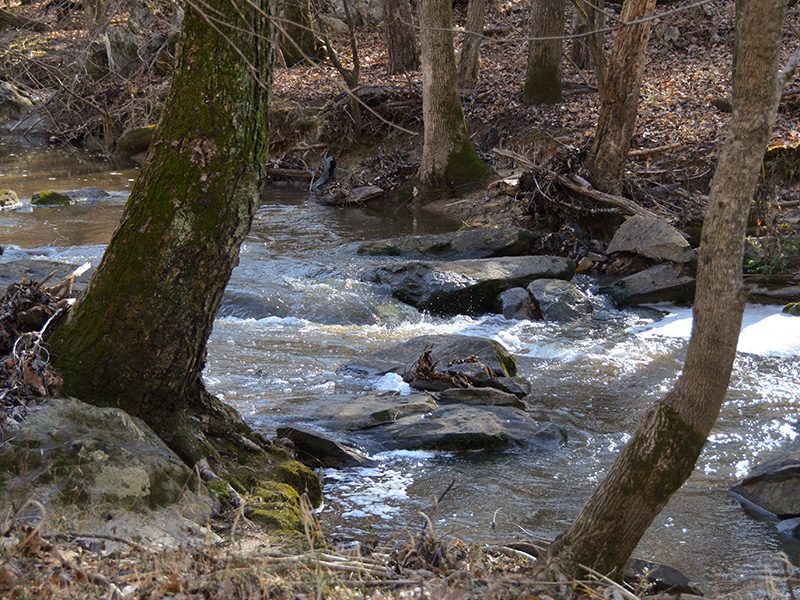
<point>612,138</point>
<point>471,47</point>
<point>296,37</point>
<point>401,41</point>
<point>448,159</point>
<point>670,435</point>
<point>137,338</point>
<point>589,50</point>
<point>543,73</point>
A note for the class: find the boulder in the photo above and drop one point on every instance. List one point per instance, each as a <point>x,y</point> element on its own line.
<point>459,427</point>
<point>100,470</point>
<point>134,143</point>
<point>465,286</point>
<point>767,295</point>
<point>559,300</point>
<point>513,385</point>
<point>485,396</point>
<point>515,303</point>
<point>319,450</point>
<point>473,243</point>
<point>661,283</point>
<point>369,410</point>
<point>13,105</point>
<point>51,198</point>
<point>774,485</point>
<point>9,200</point>
<point>445,350</point>
<point>652,238</point>
<point>793,308</point>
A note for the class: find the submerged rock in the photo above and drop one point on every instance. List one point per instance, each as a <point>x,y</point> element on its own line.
<point>89,463</point>
<point>774,485</point>
<point>470,244</point>
<point>465,286</point>
<point>445,351</point>
<point>651,238</point>
<point>459,427</point>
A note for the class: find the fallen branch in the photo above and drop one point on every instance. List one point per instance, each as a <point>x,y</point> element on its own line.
<point>647,151</point>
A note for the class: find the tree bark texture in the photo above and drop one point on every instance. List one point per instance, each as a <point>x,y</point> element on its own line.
<point>670,435</point>
<point>448,159</point>
<point>296,37</point>
<point>471,46</point>
<point>612,138</point>
<point>543,72</point>
<point>137,338</point>
<point>402,49</point>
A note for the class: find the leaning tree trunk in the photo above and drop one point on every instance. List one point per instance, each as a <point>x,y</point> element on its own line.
<point>448,159</point>
<point>137,338</point>
<point>670,436</point>
<point>401,40</point>
<point>612,138</point>
<point>471,46</point>
<point>543,73</point>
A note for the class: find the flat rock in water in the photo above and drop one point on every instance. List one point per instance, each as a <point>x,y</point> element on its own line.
<point>774,485</point>
<point>458,427</point>
<point>782,295</point>
<point>479,396</point>
<point>445,349</point>
<point>661,283</point>
<point>92,463</point>
<point>319,450</point>
<point>513,385</point>
<point>369,410</point>
<point>652,238</point>
<point>37,270</point>
<point>473,243</point>
<point>465,286</point>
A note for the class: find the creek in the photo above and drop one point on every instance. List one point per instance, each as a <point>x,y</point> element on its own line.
<point>295,310</point>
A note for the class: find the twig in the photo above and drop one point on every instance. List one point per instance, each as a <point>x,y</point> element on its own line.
<point>647,151</point>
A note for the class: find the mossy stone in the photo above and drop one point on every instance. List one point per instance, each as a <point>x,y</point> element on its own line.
<point>9,199</point>
<point>134,141</point>
<point>793,308</point>
<point>50,198</point>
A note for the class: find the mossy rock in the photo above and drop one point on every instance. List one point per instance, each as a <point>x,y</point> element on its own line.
<point>276,506</point>
<point>793,308</point>
<point>134,141</point>
<point>50,198</point>
<point>9,200</point>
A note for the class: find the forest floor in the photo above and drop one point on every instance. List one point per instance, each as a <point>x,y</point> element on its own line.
<point>678,137</point>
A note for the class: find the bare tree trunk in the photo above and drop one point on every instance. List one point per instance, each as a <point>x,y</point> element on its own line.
<point>543,73</point>
<point>137,339</point>
<point>448,159</point>
<point>588,50</point>
<point>401,41</point>
<point>612,138</point>
<point>471,46</point>
<point>670,436</point>
<point>296,37</point>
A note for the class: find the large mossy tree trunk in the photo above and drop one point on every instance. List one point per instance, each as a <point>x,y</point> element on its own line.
<point>137,339</point>
<point>471,46</point>
<point>543,71</point>
<point>448,162</point>
<point>670,435</point>
<point>402,49</point>
<point>615,125</point>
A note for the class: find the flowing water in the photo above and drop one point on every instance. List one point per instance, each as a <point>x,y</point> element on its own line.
<point>295,310</point>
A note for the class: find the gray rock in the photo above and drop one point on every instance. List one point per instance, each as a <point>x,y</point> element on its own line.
<point>13,105</point>
<point>474,372</point>
<point>652,238</point>
<point>793,308</point>
<point>515,304</point>
<point>369,410</point>
<point>134,143</point>
<point>87,194</point>
<point>660,578</point>
<point>319,450</point>
<point>560,300</point>
<point>661,283</point>
<point>88,463</point>
<point>473,243</point>
<point>513,385</point>
<point>479,396</point>
<point>774,485</point>
<point>9,200</point>
<point>465,286</point>
<point>781,295</point>
<point>459,427</point>
<point>37,270</point>
<point>445,349</point>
